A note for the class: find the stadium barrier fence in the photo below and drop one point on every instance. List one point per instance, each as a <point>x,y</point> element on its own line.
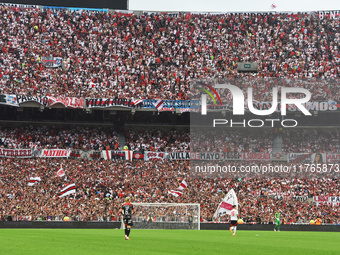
<point>204,226</point>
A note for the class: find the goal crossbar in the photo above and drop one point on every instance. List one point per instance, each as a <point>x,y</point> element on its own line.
<point>167,215</point>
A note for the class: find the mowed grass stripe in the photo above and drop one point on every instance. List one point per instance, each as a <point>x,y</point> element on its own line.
<point>111,241</point>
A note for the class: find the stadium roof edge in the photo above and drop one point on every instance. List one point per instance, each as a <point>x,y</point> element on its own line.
<point>156,11</point>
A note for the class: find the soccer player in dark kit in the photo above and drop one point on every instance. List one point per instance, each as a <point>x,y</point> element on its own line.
<point>127,210</point>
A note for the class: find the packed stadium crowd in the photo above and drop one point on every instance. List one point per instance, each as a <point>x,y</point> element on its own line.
<point>157,55</point>
<point>311,140</point>
<point>91,138</point>
<point>56,136</point>
<point>237,140</point>
<point>158,140</point>
<point>149,182</point>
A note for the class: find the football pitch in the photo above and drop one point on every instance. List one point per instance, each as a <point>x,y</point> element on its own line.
<point>111,241</point>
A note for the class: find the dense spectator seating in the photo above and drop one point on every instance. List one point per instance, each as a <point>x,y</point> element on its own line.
<point>311,140</point>
<point>158,140</point>
<point>231,140</point>
<point>47,137</point>
<point>158,55</point>
<point>259,198</point>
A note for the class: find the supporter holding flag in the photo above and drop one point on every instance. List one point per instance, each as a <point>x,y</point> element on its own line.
<point>159,105</point>
<point>183,185</point>
<point>68,190</point>
<point>33,180</point>
<point>175,193</point>
<point>61,172</point>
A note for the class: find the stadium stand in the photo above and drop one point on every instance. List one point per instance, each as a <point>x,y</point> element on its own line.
<point>153,56</point>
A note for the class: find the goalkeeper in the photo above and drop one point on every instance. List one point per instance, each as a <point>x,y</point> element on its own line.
<point>277,222</point>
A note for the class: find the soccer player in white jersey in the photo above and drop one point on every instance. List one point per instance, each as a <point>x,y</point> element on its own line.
<point>233,220</point>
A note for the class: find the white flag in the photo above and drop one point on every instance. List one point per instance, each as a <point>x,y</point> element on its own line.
<point>227,204</point>
<point>33,180</point>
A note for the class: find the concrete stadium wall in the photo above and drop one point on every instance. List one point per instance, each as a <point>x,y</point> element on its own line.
<point>204,226</point>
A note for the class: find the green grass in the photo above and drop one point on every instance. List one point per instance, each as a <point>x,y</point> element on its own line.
<point>111,241</point>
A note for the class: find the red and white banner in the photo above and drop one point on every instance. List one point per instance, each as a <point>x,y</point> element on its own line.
<point>257,156</point>
<point>55,153</point>
<point>331,200</point>
<point>218,156</point>
<point>107,155</point>
<point>175,193</point>
<point>210,155</point>
<point>33,180</point>
<point>15,153</point>
<point>68,190</point>
<point>333,158</point>
<point>138,155</point>
<point>111,102</point>
<point>72,102</point>
<point>316,158</point>
<point>150,155</point>
<point>183,185</point>
<point>128,155</point>
<point>159,105</point>
<point>320,199</point>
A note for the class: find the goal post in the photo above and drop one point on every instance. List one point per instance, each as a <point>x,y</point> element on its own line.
<point>166,216</point>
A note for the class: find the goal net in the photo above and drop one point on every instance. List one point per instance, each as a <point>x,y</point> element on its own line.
<point>166,216</point>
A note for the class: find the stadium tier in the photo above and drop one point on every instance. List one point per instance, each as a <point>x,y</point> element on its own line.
<point>150,182</point>
<point>43,159</point>
<point>64,53</point>
<point>94,108</point>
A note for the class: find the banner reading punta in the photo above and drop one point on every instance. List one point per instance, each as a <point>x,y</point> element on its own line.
<point>239,104</point>
<point>226,205</point>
